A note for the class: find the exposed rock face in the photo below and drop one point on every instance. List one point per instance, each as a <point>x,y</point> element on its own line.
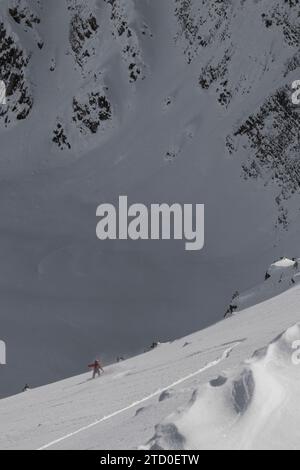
<point>292,64</point>
<point>13,66</point>
<point>202,23</point>
<point>22,15</point>
<point>60,137</point>
<point>231,69</point>
<point>218,73</point>
<point>271,136</point>
<point>89,115</point>
<point>27,17</point>
<point>83,29</point>
<point>210,34</point>
<point>89,108</point>
<point>127,37</point>
<point>280,17</point>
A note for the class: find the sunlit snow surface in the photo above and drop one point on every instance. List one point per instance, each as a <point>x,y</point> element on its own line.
<point>223,387</point>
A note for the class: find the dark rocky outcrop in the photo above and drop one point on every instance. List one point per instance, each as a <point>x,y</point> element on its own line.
<point>82,29</point>
<point>13,64</point>
<point>271,136</point>
<point>89,115</point>
<point>60,137</point>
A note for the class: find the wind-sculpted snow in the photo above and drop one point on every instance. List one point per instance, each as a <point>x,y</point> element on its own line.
<point>249,409</point>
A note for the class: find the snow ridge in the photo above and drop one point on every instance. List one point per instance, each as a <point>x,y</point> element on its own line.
<point>241,410</point>
<point>281,276</point>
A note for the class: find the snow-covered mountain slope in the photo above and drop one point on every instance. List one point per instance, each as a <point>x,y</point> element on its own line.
<point>229,386</point>
<point>173,101</point>
<point>280,276</point>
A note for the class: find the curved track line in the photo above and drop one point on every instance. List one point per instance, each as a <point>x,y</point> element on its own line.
<point>224,356</point>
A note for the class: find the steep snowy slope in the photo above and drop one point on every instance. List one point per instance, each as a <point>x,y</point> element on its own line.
<point>173,101</point>
<point>280,276</point>
<point>223,402</point>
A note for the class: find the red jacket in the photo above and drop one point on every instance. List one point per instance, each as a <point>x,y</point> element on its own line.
<point>96,365</point>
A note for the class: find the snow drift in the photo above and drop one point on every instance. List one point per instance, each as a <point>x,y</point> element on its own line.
<point>250,409</point>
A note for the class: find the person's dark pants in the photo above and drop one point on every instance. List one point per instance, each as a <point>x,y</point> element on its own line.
<point>96,372</point>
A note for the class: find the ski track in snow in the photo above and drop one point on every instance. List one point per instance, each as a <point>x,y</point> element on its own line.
<point>224,356</point>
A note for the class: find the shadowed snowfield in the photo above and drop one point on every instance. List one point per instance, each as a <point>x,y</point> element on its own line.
<point>169,101</point>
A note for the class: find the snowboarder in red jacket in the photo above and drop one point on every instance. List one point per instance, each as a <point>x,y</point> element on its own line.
<point>96,366</point>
